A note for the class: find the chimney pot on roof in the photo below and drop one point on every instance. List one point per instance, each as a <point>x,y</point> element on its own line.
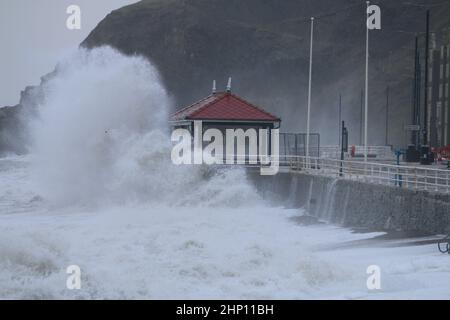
<point>214,89</point>
<point>229,85</point>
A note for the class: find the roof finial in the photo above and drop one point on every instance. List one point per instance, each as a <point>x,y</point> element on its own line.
<point>229,85</point>
<point>214,89</point>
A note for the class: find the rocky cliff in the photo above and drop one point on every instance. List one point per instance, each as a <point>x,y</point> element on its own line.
<point>264,46</point>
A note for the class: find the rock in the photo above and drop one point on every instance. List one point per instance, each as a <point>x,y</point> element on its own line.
<point>264,46</point>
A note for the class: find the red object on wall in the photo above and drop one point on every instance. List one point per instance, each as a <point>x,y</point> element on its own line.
<point>353,151</point>
<point>442,153</point>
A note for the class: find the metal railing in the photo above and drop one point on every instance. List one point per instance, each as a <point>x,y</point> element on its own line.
<point>411,177</point>
<point>378,152</point>
<point>294,144</point>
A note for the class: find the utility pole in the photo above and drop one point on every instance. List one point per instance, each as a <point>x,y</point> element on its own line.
<point>342,145</point>
<point>366,111</point>
<point>417,134</point>
<point>309,92</point>
<point>387,115</point>
<point>427,49</point>
<point>340,118</point>
<point>361,119</point>
<point>415,100</point>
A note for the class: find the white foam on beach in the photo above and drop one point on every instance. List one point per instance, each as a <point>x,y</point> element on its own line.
<point>98,190</point>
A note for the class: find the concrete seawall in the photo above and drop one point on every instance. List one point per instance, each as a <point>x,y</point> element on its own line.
<point>359,204</point>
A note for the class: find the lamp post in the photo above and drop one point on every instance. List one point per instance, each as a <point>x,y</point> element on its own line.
<point>387,117</point>
<point>366,85</point>
<point>427,52</point>
<point>340,117</point>
<point>361,115</point>
<point>309,92</point>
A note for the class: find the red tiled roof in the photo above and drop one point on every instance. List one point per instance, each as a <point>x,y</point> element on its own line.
<point>223,106</point>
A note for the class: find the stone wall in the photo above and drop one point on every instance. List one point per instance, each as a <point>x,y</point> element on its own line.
<point>359,204</point>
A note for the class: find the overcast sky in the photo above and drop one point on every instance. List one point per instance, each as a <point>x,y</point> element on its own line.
<point>33,35</point>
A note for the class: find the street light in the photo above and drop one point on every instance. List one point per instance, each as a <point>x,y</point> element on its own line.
<point>367,84</point>
<point>309,92</point>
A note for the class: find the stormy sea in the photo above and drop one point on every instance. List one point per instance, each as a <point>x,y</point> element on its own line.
<point>97,190</point>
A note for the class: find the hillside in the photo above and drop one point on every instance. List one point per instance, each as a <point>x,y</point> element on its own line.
<point>264,46</point>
